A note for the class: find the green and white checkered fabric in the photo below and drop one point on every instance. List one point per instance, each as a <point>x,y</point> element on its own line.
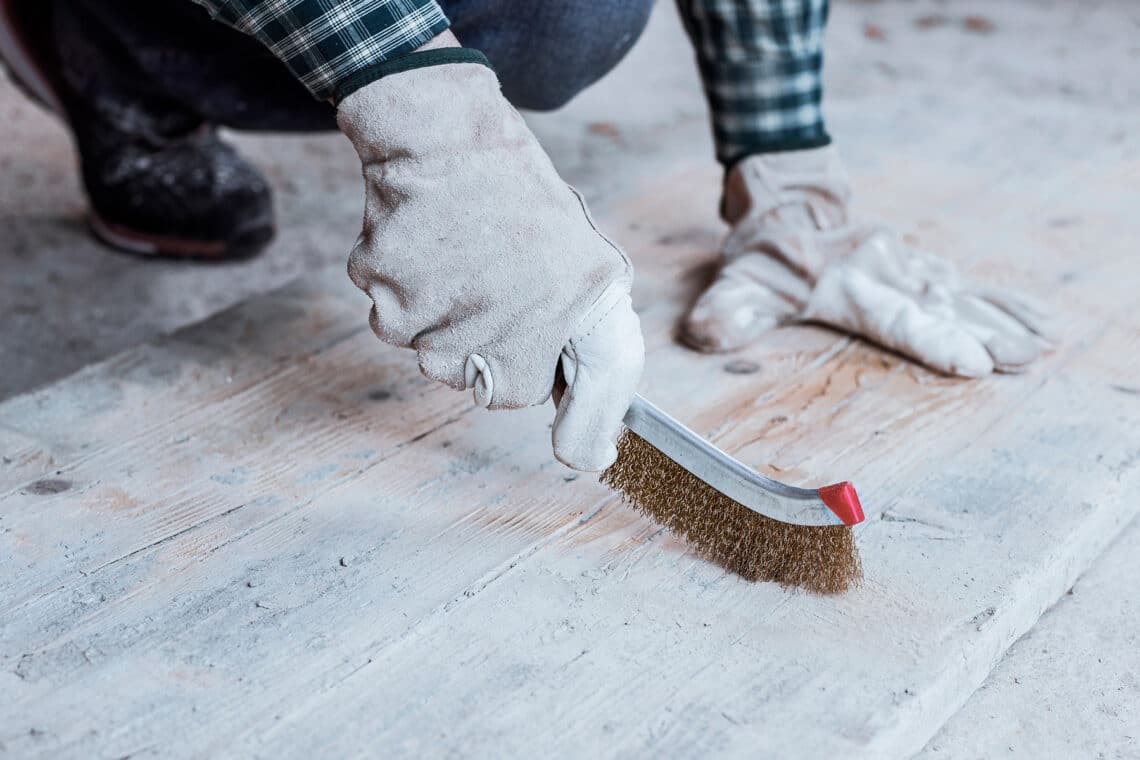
<point>761,60</point>
<point>762,65</point>
<point>326,41</point>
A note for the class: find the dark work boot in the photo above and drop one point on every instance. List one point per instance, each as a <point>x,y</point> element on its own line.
<point>159,180</point>
<point>182,196</point>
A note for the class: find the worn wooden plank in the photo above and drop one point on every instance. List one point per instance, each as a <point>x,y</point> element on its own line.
<point>622,646</point>
<point>156,383</point>
<point>612,646</point>
<point>217,483</point>
<point>1071,686</point>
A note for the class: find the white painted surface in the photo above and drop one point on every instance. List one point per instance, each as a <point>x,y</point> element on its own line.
<point>1071,686</point>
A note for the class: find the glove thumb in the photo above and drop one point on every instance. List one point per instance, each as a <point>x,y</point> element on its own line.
<point>601,365</point>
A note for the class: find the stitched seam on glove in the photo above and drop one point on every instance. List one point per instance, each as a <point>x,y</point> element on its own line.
<point>601,318</point>
<point>594,227</point>
<point>418,60</point>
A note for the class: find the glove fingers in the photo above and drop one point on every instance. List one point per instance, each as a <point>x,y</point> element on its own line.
<point>850,300</point>
<point>1010,343</point>
<point>601,368</point>
<point>1021,308</point>
<point>749,297</point>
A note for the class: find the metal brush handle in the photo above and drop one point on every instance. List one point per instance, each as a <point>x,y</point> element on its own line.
<point>737,481</point>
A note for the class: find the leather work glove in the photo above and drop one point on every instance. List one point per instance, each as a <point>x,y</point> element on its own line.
<point>477,255</point>
<point>794,256</point>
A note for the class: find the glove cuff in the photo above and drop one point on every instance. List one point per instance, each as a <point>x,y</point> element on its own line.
<point>815,179</point>
<point>417,60</point>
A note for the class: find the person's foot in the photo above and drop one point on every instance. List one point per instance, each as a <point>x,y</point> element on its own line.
<point>159,181</point>
<point>187,197</point>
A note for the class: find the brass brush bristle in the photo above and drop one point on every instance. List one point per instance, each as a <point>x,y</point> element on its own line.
<point>819,558</point>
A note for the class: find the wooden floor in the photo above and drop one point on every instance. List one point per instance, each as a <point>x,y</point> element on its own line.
<point>268,536</point>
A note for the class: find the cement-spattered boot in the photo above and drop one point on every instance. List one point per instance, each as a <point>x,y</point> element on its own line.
<point>159,180</point>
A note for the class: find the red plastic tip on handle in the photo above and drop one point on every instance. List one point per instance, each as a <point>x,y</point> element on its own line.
<point>843,501</point>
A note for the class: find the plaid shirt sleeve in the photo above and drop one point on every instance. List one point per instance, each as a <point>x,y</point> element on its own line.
<point>761,62</point>
<point>324,42</point>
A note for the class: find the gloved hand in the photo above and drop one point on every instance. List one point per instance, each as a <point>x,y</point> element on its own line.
<point>793,255</point>
<point>476,254</point>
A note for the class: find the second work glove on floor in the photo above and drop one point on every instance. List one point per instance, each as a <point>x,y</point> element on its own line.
<point>793,255</point>
<point>477,255</point>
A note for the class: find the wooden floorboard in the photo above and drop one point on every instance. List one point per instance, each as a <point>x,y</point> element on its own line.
<point>268,535</point>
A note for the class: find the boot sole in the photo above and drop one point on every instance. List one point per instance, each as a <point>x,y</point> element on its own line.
<point>31,76</point>
<point>246,244</point>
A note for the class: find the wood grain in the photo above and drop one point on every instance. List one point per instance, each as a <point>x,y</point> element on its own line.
<point>268,536</point>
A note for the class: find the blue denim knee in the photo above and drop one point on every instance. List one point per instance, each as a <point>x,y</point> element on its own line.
<point>547,52</point>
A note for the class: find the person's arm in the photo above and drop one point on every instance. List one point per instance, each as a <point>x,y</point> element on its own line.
<point>795,252</point>
<point>761,63</point>
<point>473,250</point>
<point>330,44</point>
